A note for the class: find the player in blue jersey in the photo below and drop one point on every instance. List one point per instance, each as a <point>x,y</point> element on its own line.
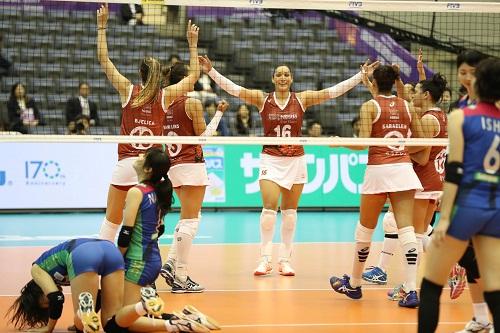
<point>80,263</point>
<point>145,206</point>
<point>471,201</point>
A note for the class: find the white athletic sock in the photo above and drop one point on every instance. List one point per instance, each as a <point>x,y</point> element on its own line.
<point>481,313</point>
<point>288,224</point>
<point>139,309</point>
<point>409,246</point>
<point>108,230</point>
<point>267,224</point>
<point>388,248</point>
<point>187,231</point>
<point>363,236</point>
<point>172,251</point>
<point>426,240</point>
<point>420,247</point>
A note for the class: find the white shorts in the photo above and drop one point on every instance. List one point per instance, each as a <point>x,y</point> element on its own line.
<point>430,195</point>
<point>124,173</point>
<point>283,170</point>
<point>191,174</point>
<point>387,178</point>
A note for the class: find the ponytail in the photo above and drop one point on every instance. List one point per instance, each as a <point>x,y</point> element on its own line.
<point>159,162</point>
<point>151,78</point>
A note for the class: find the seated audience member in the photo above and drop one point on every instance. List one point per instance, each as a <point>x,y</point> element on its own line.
<point>132,14</point>
<point>82,106</point>
<point>22,109</point>
<point>355,123</point>
<point>173,59</point>
<point>244,123</point>
<point>210,109</point>
<point>79,126</point>
<point>6,66</point>
<point>314,129</point>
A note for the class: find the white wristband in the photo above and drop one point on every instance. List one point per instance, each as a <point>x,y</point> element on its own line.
<point>226,84</point>
<point>212,126</point>
<point>341,88</point>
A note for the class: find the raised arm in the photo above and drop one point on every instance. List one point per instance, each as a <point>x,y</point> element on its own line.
<point>420,66</point>
<point>186,84</point>
<point>119,82</point>
<point>249,96</point>
<point>310,97</point>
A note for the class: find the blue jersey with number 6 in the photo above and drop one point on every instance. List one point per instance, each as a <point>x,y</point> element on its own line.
<point>480,183</point>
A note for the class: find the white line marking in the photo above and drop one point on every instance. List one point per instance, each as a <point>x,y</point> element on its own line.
<point>339,324</point>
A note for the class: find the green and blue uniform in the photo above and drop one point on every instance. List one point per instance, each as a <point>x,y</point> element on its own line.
<point>142,259</point>
<point>76,256</point>
<point>477,205</point>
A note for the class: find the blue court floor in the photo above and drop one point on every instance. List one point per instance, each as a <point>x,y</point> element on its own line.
<point>234,227</point>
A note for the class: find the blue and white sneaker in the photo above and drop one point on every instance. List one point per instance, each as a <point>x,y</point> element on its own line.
<point>375,275</point>
<point>396,294</point>
<point>409,300</point>
<point>343,286</point>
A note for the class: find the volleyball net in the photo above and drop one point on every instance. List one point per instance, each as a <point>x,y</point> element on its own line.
<point>50,49</point>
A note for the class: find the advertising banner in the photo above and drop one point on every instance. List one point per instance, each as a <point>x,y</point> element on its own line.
<point>54,176</point>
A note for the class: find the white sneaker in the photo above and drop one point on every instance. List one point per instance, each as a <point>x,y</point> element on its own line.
<point>90,320</point>
<point>190,312</point>
<point>186,324</point>
<point>285,269</point>
<point>474,326</point>
<point>264,267</point>
<point>151,302</point>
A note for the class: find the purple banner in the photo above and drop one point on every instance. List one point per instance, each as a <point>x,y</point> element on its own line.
<point>381,47</point>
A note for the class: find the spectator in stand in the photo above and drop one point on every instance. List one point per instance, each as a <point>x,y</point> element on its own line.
<point>82,106</point>
<point>355,123</point>
<point>79,126</point>
<point>243,124</point>
<point>6,66</point>
<point>173,59</point>
<point>132,14</point>
<point>22,110</point>
<point>210,109</point>
<point>314,129</point>
<point>445,103</point>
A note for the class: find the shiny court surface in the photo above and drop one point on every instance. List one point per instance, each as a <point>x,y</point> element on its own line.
<point>223,260</point>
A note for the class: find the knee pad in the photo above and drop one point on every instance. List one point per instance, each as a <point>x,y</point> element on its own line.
<point>406,235</point>
<point>363,234</point>
<point>112,327</point>
<point>429,230</point>
<point>468,261</point>
<point>188,227</point>
<point>268,219</point>
<point>289,218</point>
<point>389,223</point>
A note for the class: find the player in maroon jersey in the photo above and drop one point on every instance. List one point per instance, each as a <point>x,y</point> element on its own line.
<point>283,169</point>
<point>189,178</point>
<point>389,173</point>
<point>143,112</point>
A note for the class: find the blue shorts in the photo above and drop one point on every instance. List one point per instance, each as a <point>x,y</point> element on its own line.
<point>100,256</point>
<point>142,273</point>
<point>467,222</point>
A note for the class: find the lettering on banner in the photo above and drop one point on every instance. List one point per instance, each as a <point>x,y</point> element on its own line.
<point>338,165</point>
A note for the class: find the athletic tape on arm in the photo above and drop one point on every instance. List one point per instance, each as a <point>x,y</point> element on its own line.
<point>341,88</point>
<point>212,126</point>
<point>229,86</point>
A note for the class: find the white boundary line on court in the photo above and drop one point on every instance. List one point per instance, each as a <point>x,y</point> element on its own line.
<point>340,324</point>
